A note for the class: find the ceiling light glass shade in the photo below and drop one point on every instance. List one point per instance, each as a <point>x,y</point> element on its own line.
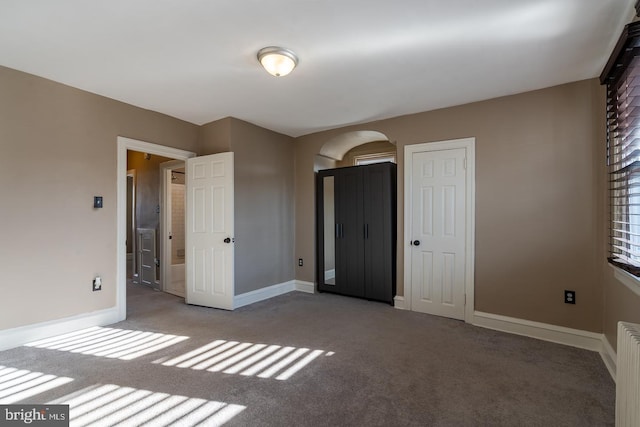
<point>277,61</point>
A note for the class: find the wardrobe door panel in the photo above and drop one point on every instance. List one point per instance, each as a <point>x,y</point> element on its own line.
<point>350,231</point>
<point>379,244</point>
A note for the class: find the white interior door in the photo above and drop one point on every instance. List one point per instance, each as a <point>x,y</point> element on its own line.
<point>209,231</point>
<point>437,245</point>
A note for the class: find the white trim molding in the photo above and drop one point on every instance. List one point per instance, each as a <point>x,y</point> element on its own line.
<point>542,331</point>
<point>15,337</point>
<point>307,287</point>
<point>609,357</point>
<point>627,279</point>
<point>272,291</point>
<point>399,302</point>
<point>262,294</point>
<point>552,333</point>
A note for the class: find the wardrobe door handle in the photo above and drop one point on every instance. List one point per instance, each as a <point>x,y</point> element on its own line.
<point>337,231</point>
<point>366,231</point>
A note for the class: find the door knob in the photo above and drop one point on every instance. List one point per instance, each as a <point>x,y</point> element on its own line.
<point>227,240</point>
<point>416,243</point>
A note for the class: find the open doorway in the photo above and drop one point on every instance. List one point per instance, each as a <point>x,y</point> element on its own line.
<point>146,206</point>
<point>125,146</point>
<point>209,220</point>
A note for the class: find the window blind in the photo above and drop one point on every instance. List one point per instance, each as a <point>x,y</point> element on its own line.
<point>622,77</point>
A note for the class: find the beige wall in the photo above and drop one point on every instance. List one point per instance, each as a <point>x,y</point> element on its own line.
<point>264,192</point>
<point>539,211</point>
<point>57,151</point>
<point>215,137</point>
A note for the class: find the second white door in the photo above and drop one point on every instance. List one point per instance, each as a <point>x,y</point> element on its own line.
<point>437,232</point>
<point>209,231</point>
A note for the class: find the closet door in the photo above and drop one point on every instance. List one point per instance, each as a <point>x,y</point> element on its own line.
<point>379,241</point>
<point>349,232</point>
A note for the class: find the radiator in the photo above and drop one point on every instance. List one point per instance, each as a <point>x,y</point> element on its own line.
<point>628,375</point>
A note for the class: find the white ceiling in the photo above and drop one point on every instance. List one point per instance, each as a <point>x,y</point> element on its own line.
<point>360,60</point>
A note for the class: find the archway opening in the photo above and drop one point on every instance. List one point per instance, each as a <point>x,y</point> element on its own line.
<point>353,148</point>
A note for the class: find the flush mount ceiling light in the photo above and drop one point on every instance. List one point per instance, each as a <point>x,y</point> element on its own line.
<point>278,61</point>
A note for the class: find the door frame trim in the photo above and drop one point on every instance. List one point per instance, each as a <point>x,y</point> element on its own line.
<point>123,145</point>
<point>134,274</point>
<point>469,144</point>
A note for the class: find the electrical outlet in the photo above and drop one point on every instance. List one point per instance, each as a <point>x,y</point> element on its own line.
<point>300,262</point>
<point>569,297</point>
<point>97,284</point>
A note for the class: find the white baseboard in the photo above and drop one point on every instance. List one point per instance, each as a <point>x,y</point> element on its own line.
<point>15,337</point>
<point>609,357</point>
<point>272,291</point>
<point>398,302</point>
<point>308,287</point>
<point>542,331</point>
<point>263,294</point>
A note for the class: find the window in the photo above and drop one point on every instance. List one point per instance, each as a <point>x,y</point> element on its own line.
<point>367,159</point>
<point>622,77</point>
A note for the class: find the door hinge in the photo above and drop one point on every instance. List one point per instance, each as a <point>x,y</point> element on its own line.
<point>464,163</point>
<point>465,299</point>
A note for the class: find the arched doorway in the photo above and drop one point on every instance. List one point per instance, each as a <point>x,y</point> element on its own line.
<point>343,149</point>
<point>354,194</point>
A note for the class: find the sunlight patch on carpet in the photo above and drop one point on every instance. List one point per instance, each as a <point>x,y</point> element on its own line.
<point>110,405</point>
<point>20,384</point>
<point>109,342</point>
<point>247,359</point>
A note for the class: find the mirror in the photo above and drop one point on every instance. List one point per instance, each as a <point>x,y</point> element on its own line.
<point>329,231</point>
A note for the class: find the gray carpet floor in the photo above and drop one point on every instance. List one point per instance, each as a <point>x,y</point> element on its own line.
<point>306,360</point>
